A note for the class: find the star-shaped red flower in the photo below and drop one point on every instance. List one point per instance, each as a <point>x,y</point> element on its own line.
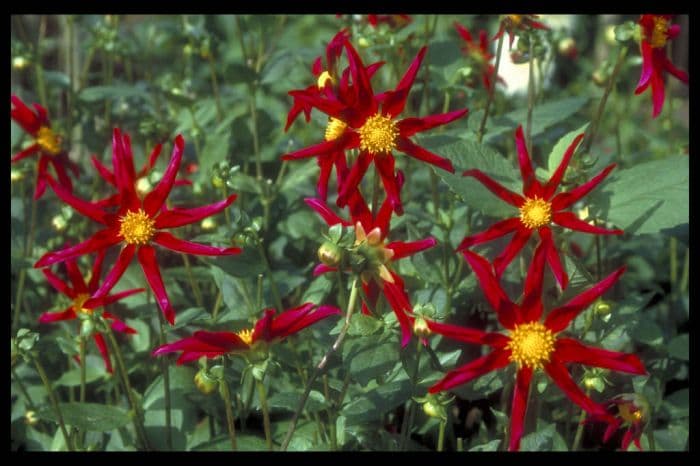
<point>84,301</point>
<point>269,328</point>
<point>515,23</point>
<point>138,223</point>
<point>538,207</point>
<point>532,344</point>
<point>479,54</point>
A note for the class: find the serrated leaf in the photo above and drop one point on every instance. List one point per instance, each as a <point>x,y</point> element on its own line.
<point>557,153</point>
<point>89,416</point>
<point>538,441</point>
<point>363,325</point>
<point>647,332</point>
<point>369,357</point>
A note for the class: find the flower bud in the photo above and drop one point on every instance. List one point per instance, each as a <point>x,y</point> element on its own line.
<point>30,418</point>
<point>205,382</point>
<point>208,224</point>
<point>16,175</point>
<point>420,327</point>
<point>363,42</point>
<point>567,47</point>
<point>20,62</point>
<point>217,181</point>
<point>330,254</point>
<point>602,308</point>
<point>59,223</point>
<point>87,327</point>
<point>600,78</point>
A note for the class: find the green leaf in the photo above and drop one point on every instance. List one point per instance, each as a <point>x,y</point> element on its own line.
<point>677,403</point>
<point>288,401</point>
<point>539,440</point>
<point>442,53</point>
<point>557,153</point>
<point>100,93</point>
<point>369,357</point>
<point>216,149</point>
<point>363,325</point>
<point>488,446</point>
<point>141,341</point>
<point>647,332</point>
<point>89,416</point>
<point>649,197</point>
<point>72,377</point>
<point>678,347</point>
<point>243,442</point>
<point>673,438</point>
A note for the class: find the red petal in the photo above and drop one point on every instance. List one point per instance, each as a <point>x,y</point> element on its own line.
<point>24,116</point>
<point>100,240</point>
<point>34,148</point>
<point>519,407</point>
<point>560,318</point>
<point>494,360</point>
<point>102,347</point>
<point>507,311</point>
<point>263,327</point>
<point>222,341</point>
<point>531,307</point>
<point>103,171</point>
<point>58,284</point>
<point>395,294</point>
<point>647,68</point>
<point>351,183</point>
<point>156,198</point>
<point>385,166</point>
<point>328,216</point>
<point>365,95</point>
<point>323,148</point>
<point>561,377</point>
<point>404,249</point>
<point>66,314</point>
<point>569,350</point>
<point>96,271</point>
<point>147,259</point>
<point>410,126</point>
<point>86,208</point>
<point>531,187</point>
<point>506,194</point>
<point>415,151</point>
<point>167,240</point>
<point>297,319</point>
<point>658,93</point>
<point>469,335</point>
<point>564,200</point>
<point>464,32</point>
<point>94,303</point>
<point>496,230</point>
<point>113,276</point>
<point>557,176</point>
<point>394,107</point>
<point>553,257</point>
<point>570,220</point>
<point>177,217</point>
<point>518,241</point>
<point>320,269</point>
<point>75,276</point>
<point>152,159</point>
<point>677,73</point>
<point>117,325</point>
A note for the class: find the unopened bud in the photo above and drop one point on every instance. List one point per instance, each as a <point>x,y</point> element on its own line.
<point>600,78</point>
<point>59,223</point>
<point>421,328</point>
<point>205,382</point>
<point>602,308</point>
<point>217,181</point>
<point>30,418</point>
<point>208,224</point>
<point>567,47</point>
<point>330,254</point>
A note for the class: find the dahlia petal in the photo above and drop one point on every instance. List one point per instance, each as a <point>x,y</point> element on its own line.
<point>570,350</point>
<point>558,174</point>
<point>152,159</point>
<point>463,32</point>
<point>177,217</point>
<point>407,146</point>
<point>320,269</point>
<point>325,167</point>
<point>103,171</point>
<point>496,230</point>
<point>647,68</point>
<point>285,320</point>
<point>565,199</point>
<point>58,284</point>
<point>494,360</point>
<point>63,179</point>
<point>34,148</point>
<point>282,328</point>
<point>404,249</point>
<point>147,259</point>
<point>499,301</point>
<point>323,148</point>
<point>385,166</point>
<point>516,244</point>
<point>398,300</point>
<point>169,241</point>
<point>553,259</point>
<point>156,198</point>
<point>571,221</point>
<point>383,218</point>
<point>403,88</point>
<point>117,325</point>
<point>96,271</point>
<point>113,276</point>
<point>362,86</point>
<point>328,216</point>
<point>75,277</point>
<point>125,184</point>
<point>677,73</point>
<point>469,335</point>
<point>560,318</point>
<point>410,126</point>
<point>531,307</point>
<point>558,373</point>
<point>354,177</point>
<point>531,187</point>
<point>187,345</point>
<point>505,194</point>
<point>263,327</point>
<point>102,348</point>
<point>658,93</point>
<point>94,303</point>
<point>223,341</point>
<point>519,407</point>
<point>85,208</point>
<point>100,240</point>
<point>66,314</point>
<point>24,116</point>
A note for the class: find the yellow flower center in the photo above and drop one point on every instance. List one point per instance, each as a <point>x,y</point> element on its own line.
<point>629,414</point>
<point>137,227</point>
<point>659,36</point>
<point>515,20</point>
<point>378,134</point>
<point>335,129</point>
<point>246,335</point>
<point>49,141</point>
<point>79,302</point>
<point>371,247</point>
<point>531,345</point>
<point>535,212</point>
<point>323,79</point>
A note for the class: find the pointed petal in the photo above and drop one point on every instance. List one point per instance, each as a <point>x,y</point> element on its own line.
<point>395,293</point>
<point>169,241</point>
<point>103,171</point>
<point>677,73</point>
<point>516,244</point>
<point>570,350</point>
<point>320,269</point>
<point>297,319</point>
<point>94,303</point>
<point>24,116</point>
<point>113,276</point>
<point>415,151</point>
<point>86,208</point>
<point>117,325</point>
<point>96,271</point>
<point>570,220</point>
<point>102,348</point>
<point>497,298</point>
<point>560,318</point>
<point>365,95</point>
<point>100,240</point>
<point>658,92</point>
<point>410,126</point>
<point>463,32</point>
<point>58,284</point>
<point>152,159</point>
<point>76,278</point>
<point>556,370</point>
<point>147,259</point>
<point>66,314</point>
<point>507,195</point>
<point>519,407</point>
<point>156,198</point>
<point>531,307</point>
<point>647,68</point>
<point>352,181</point>
<point>393,106</point>
<point>494,360</point>
<point>404,249</point>
<point>469,335</point>
<point>553,257</point>
<point>263,327</point>
<point>222,341</point>
<point>385,166</point>
<point>177,217</point>
<point>323,148</point>
<point>325,168</point>
<point>33,149</point>
<point>531,187</point>
<point>328,216</point>
<point>564,200</point>
<point>496,230</point>
<point>558,174</point>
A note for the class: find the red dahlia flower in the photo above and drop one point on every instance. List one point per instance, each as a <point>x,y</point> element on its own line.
<point>269,328</point>
<point>538,207</point>
<point>370,243</point>
<point>85,302</point>
<point>532,344</point>
<point>656,31</point>
<point>46,143</point>
<point>393,21</point>
<point>631,413</point>
<point>479,54</point>
<point>137,223</point>
<point>368,124</point>
<point>514,23</point>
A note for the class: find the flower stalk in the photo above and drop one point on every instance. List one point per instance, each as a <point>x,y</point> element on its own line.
<point>262,395</point>
<point>226,397</point>
<point>54,401</point>
<point>492,91</point>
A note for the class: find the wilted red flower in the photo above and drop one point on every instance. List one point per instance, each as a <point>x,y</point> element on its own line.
<point>656,31</point>
<point>85,302</point>
<point>393,21</point>
<point>532,344</point>
<point>479,54</point>
<point>137,223</point>
<point>46,143</point>
<point>631,413</point>
<point>269,328</point>
<point>370,243</point>
<point>372,129</point>
<point>538,209</point>
<point>515,23</point>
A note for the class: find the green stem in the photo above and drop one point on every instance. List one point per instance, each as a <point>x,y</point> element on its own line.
<point>166,380</point>
<point>273,284</point>
<point>226,396</point>
<point>262,394</point>
<point>322,365</point>
<point>530,97</point>
<point>215,88</point>
<point>650,437</point>
<point>341,287</point>
<point>29,403</point>
<point>83,367</point>
<point>193,283</point>
<point>579,429</point>
<point>217,305</point>
<point>54,401</point>
<point>441,435</point>
<point>227,214</point>
<point>408,416</point>
<point>38,69</point>
<point>492,91</point>
<point>673,252</point>
<point>686,270</point>
<point>460,444</point>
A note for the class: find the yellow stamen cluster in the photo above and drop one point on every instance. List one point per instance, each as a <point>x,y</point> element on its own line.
<point>629,414</point>
<point>323,79</point>
<point>378,134</point>
<point>535,212</point>
<point>49,141</point>
<point>335,129</point>
<point>376,253</point>
<point>137,227</point>
<point>531,345</point>
<point>246,335</point>
<point>79,302</point>
<point>659,36</point>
